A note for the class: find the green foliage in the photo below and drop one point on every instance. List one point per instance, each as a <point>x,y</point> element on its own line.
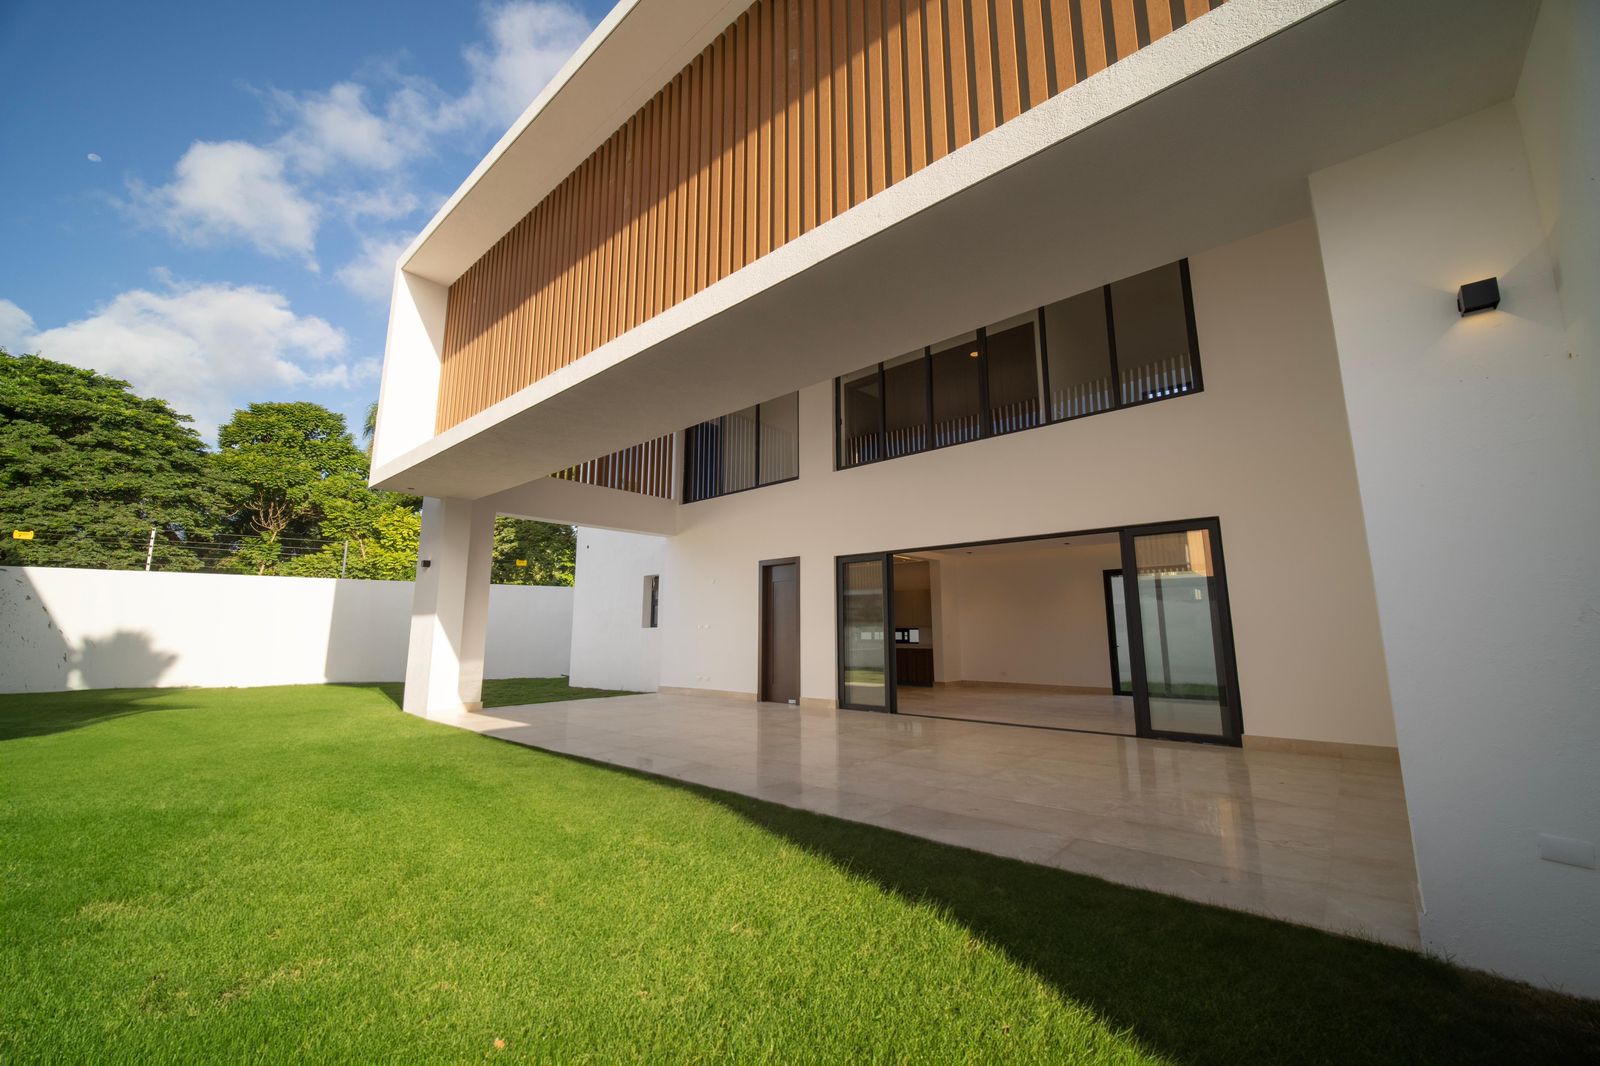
<point>377,540</point>
<point>288,466</point>
<point>549,549</point>
<point>90,468</point>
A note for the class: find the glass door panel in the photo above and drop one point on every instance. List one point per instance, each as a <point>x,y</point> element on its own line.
<point>866,655</point>
<point>1177,613</point>
<point>1117,634</point>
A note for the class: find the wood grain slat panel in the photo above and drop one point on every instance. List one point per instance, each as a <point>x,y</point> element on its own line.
<point>1064,47</point>
<point>895,73</point>
<point>939,121</point>
<point>1093,33</point>
<point>983,67</point>
<point>960,59</point>
<point>825,122</point>
<point>859,168</point>
<point>762,68</point>
<point>792,47</point>
<point>841,106</point>
<point>877,109</point>
<point>916,95</point>
<point>797,111</point>
<point>1033,45</point>
<point>1123,30</point>
<point>1158,13</point>
<point>807,141</point>
<point>1011,64</point>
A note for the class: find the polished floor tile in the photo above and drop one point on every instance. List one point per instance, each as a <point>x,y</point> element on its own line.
<point>1316,839</point>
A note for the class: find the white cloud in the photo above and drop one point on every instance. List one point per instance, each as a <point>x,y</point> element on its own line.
<point>94,157</point>
<point>337,127</point>
<point>371,273</point>
<point>15,325</point>
<point>528,42</point>
<point>345,151</point>
<point>205,348</point>
<point>234,190</point>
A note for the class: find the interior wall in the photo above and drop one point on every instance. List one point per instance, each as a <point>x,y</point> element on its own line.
<point>1482,506</point>
<point>1037,617</point>
<point>1265,448</point>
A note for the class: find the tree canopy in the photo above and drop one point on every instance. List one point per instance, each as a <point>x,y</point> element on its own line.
<point>90,468</point>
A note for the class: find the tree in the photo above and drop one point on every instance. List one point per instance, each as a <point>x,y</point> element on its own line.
<point>549,551</point>
<point>374,538</point>
<point>90,468</point>
<point>286,465</point>
<point>369,427</point>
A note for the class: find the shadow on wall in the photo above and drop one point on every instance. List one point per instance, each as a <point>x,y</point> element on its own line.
<point>36,656</point>
<point>125,659</point>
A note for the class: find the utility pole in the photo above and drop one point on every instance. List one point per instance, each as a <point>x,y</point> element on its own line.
<point>150,549</point>
<point>344,562</point>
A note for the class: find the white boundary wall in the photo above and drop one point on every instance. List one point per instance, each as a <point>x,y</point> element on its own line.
<point>66,629</point>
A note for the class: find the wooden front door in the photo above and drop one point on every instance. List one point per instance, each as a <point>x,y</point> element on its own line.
<point>780,631</point>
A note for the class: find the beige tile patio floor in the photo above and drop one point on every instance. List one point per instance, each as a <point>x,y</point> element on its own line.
<point>1314,839</point>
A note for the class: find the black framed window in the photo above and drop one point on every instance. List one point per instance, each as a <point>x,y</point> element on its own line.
<point>1154,329</point>
<point>1078,364</point>
<point>860,410</point>
<point>956,375</point>
<point>746,449</point>
<point>1011,352</point>
<point>905,404</point>
<point>1120,345</point>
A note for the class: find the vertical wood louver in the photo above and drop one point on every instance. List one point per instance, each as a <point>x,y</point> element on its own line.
<point>798,111</point>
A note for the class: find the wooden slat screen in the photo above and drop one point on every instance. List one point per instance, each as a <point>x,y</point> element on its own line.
<point>798,111</point>
<point>644,468</point>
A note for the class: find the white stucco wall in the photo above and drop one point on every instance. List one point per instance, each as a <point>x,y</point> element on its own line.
<point>1483,510</point>
<point>1265,448</point>
<point>1558,104</point>
<point>611,646</point>
<point>73,629</point>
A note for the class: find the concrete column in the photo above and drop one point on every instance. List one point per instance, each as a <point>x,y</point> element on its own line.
<point>450,609</point>
<point>1482,514</point>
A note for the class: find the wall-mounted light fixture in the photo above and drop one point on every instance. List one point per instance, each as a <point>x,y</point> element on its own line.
<point>1478,296</point>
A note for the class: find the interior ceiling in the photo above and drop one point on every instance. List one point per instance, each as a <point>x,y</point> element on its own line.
<point>1216,158</point>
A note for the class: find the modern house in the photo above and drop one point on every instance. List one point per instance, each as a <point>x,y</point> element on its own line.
<point>1215,374</point>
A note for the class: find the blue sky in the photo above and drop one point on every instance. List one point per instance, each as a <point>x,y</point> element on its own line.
<point>206,198</point>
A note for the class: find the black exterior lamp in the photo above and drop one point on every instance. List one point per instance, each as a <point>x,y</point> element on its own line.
<point>1478,296</point>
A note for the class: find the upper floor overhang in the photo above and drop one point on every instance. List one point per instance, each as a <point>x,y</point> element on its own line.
<point>1203,136</point>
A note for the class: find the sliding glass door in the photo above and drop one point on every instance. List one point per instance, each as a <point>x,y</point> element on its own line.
<point>866,650</point>
<point>1180,635</point>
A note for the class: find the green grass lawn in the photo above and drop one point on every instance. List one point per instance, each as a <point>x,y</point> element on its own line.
<point>306,873</point>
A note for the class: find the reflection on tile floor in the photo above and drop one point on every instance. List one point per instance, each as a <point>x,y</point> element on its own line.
<point>1015,705</point>
<point>1319,840</point>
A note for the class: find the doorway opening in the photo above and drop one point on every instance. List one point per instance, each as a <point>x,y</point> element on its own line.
<point>1123,631</point>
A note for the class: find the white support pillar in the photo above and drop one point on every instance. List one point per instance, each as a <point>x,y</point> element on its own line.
<point>450,609</point>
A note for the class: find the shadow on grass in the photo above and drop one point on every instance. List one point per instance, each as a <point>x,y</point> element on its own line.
<point>1195,983</point>
<point>38,714</point>
<point>508,691</point>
